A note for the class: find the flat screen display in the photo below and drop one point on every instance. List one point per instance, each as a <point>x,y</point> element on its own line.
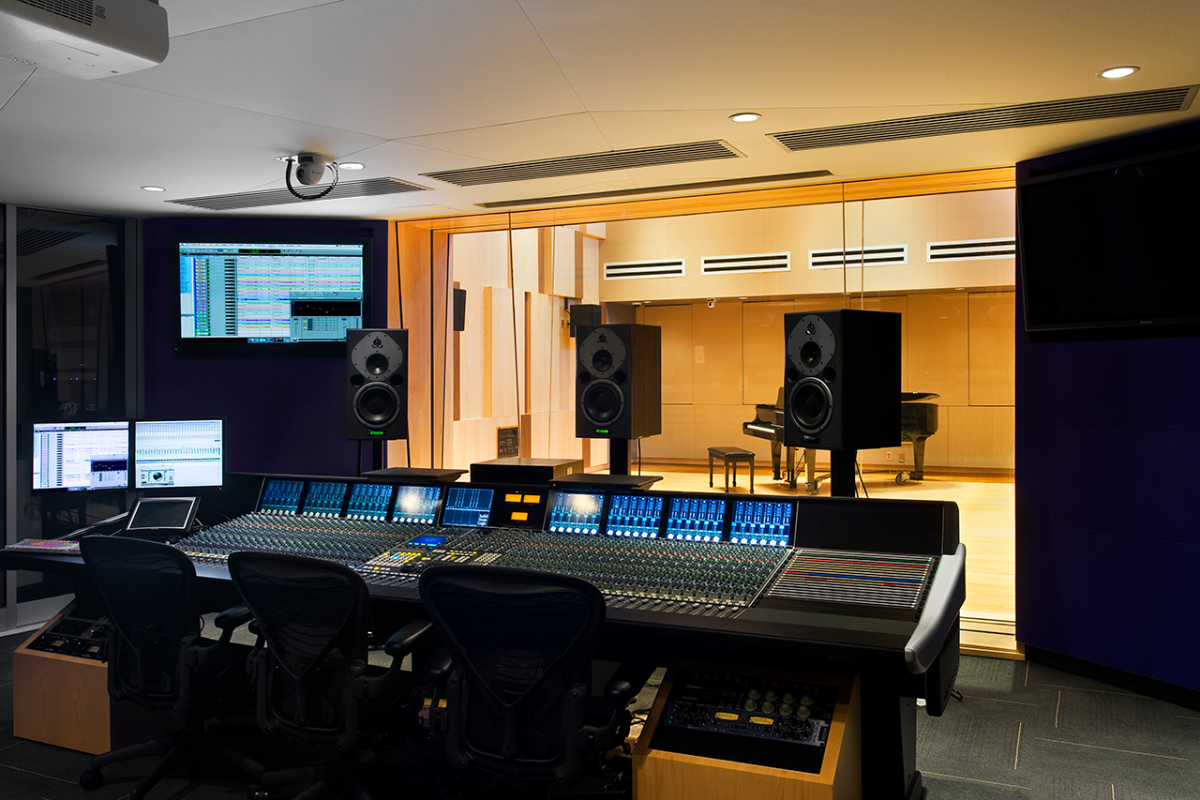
<point>635,516</point>
<point>270,297</point>
<point>81,456</point>
<point>470,507</point>
<point>695,519</point>
<point>763,523</point>
<point>178,453</point>
<point>576,513</point>
<point>163,514</point>
<point>416,505</point>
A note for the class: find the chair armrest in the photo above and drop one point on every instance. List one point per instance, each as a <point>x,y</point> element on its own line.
<point>232,618</point>
<point>402,642</point>
<point>439,665</point>
<point>624,685</point>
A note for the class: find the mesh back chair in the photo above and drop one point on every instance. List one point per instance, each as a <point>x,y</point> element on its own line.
<point>157,657</point>
<point>310,667</point>
<point>517,694</point>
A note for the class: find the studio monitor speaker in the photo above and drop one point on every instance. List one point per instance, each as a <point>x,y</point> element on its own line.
<point>377,384</point>
<point>618,384</point>
<point>841,388</point>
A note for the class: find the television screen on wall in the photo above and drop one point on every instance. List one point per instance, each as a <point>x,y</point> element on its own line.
<point>1109,245</point>
<point>272,296</point>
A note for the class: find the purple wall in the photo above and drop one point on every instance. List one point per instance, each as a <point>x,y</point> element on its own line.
<point>1107,520</point>
<point>282,415</point>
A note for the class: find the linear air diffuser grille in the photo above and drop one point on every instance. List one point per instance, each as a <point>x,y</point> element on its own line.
<point>661,268</point>
<point>35,240</point>
<point>78,10</point>
<point>583,165</point>
<point>884,580</point>
<point>877,256</point>
<point>274,197</point>
<point>762,262</point>
<point>1076,109</point>
<point>975,250</point>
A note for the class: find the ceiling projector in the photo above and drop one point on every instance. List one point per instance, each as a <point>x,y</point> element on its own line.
<point>84,39</point>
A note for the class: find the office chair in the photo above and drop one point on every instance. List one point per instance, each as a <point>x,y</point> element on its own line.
<point>157,657</point>
<point>517,680</point>
<point>310,669</point>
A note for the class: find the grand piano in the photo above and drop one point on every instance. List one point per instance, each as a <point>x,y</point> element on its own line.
<point>918,421</point>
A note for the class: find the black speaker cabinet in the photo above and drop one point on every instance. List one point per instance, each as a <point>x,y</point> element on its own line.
<point>841,380</point>
<point>618,384</point>
<point>376,384</point>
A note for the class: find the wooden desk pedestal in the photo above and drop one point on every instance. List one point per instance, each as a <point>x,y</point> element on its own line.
<point>60,699</point>
<point>660,775</point>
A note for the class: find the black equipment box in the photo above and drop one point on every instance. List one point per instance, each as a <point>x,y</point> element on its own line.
<point>536,471</point>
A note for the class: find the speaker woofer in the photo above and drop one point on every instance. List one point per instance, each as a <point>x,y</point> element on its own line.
<point>810,405</point>
<point>376,405</point>
<point>602,402</point>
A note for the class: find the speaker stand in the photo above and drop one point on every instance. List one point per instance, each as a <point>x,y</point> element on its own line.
<point>618,456</point>
<point>841,472</point>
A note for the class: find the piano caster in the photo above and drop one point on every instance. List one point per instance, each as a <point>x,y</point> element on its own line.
<point>901,477</point>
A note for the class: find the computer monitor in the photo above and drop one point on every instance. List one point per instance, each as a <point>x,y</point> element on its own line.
<point>178,453</point>
<point>81,456</point>
<point>271,297</point>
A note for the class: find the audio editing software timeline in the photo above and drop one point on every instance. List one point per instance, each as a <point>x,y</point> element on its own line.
<point>178,453</point>
<point>81,455</point>
<point>270,292</point>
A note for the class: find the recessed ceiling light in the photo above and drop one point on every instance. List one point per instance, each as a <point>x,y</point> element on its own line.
<point>744,116</point>
<point>153,189</point>
<point>1118,72</point>
<point>350,165</point>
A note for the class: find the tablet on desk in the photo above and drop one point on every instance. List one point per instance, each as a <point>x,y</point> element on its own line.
<point>162,517</point>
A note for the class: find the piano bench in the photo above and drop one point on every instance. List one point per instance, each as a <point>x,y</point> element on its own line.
<point>731,457</point>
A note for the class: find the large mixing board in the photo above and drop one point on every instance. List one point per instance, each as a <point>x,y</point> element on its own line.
<point>704,555</point>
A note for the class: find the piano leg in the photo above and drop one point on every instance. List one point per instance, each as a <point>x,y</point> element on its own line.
<point>791,467</point>
<point>775,458</point>
<point>918,471</point>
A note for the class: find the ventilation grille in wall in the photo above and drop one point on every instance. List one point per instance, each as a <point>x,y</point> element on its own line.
<point>661,268</point>
<point>974,250</point>
<point>878,256</point>
<point>35,240</point>
<point>583,165</point>
<point>762,262</point>
<point>274,197</point>
<point>990,119</point>
<point>78,10</point>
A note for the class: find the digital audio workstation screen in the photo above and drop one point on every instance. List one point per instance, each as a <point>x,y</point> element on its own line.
<point>416,504</point>
<point>695,520</point>
<point>635,516</point>
<point>178,453</point>
<point>369,501</point>
<point>467,507</point>
<point>761,523</point>
<point>576,513</point>
<point>324,499</point>
<point>264,292</point>
<point>81,456</point>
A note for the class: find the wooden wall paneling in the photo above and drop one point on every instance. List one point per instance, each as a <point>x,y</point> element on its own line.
<point>563,442</point>
<point>677,342</point>
<point>505,365</point>
<point>539,434</point>
<point>562,358</point>
<point>474,362</point>
<point>590,279</point>
<point>990,346</point>
<point>721,426</point>
<point>983,436</point>
<point>568,257</point>
<point>717,353</point>
<point>481,259</point>
<point>678,434</point>
<point>619,313</point>
<point>539,334</point>
<point>763,350</point>
<point>937,447</point>
<point>526,254</point>
<point>595,230</point>
<point>475,439</point>
<point>937,346</point>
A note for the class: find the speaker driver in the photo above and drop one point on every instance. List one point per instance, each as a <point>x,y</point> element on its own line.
<point>810,405</point>
<point>376,405</point>
<point>602,402</point>
<point>810,345</point>
<point>601,352</point>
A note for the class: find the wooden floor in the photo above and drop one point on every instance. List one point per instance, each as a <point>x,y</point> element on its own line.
<point>986,520</point>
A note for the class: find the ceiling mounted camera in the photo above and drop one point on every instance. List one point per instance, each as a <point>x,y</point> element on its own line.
<point>309,168</point>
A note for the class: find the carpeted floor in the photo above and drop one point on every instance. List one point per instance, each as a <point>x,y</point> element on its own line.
<point>1022,731</point>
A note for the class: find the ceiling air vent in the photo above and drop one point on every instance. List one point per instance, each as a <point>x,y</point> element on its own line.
<point>974,250</point>
<point>878,256</point>
<point>275,197</point>
<point>661,268</point>
<point>762,262</point>
<point>583,165</point>
<point>35,240</point>
<point>991,119</point>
